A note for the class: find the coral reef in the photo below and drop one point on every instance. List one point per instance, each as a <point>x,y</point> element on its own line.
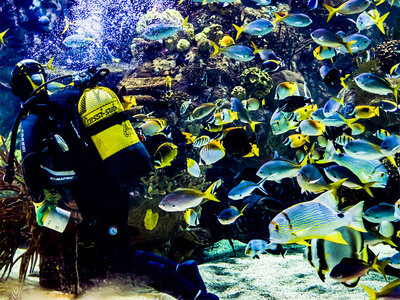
<point>239,92</point>
<point>183,45</point>
<point>257,83</point>
<point>387,55</point>
<point>212,33</point>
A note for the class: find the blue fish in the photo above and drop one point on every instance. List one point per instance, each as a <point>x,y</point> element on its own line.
<point>312,4</point>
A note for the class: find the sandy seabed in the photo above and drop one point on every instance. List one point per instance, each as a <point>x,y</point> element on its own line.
<point>240,277</point>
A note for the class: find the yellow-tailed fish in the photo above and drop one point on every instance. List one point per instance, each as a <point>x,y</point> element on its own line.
<point>377,19</point>
<point>363,149</point>
<point>228,116</point>
<point>168,87</point>
<point>304,112</point>
<point>236,52</point>
<point>242,113</point>
<point>226,41</point>
<point>334,119</point>
<point>150,220</point>
<point>318,218</point>
<point>327,38</point>
<point>193,168</point>
<point>296,140</point>
<point>190,138</point>
<point>310,179</point>
<point>376,85</point>
<point>202,111</point>
<point>191,217</point>
<point>349,7</point>
<point>282,121</point>
<point>2,36</point>
<point>352,268</point>
<point>336,173</point>
<point>164,155</point>
<point>258,27</point>
<point>296,20</point>
<point>152,126</point>
<point>184,198</point>
<point>67,25</point>
<point>277,169</point>
<point>230,215</point>
<point>390,291</point>
<point>211,153</point>
<point>245,188</point>
<point>366,170</point>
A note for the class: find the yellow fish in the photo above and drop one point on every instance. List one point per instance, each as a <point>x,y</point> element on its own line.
<point>129,101</point>
<point>168,87</point>
<point>67,25</point>
<point>150,219</point>
<point>164,154</point>
<point>212,152</point>
<point>357,129</point>
<point>366,111</point>
<point>255,151</point>
<point>2,36</point>
<point>296,140</point>
<point>191,217</point>
<point>193,168</point>
<point>304,112</point>
<point>226,41</point>
<point>190,138</point>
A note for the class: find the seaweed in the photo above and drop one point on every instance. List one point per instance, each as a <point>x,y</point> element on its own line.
<point>17,224</point>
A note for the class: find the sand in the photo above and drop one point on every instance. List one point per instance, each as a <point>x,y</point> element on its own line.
<point>270,277</point>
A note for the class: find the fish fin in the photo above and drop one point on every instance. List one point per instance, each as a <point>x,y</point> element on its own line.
<point>366,187</point>
<point>241,212</point>
<point>351,284</point>
<point>342,79</point>
<point>239,31</point>
<point>307,138</point>
<point>304,161</point>
<point>371,293</point>
<point>336,185</point>
<point>216,49</point>
<point>180,2</point>
<point>335,237</point>
<point>393,68</point>
<point>392,160</point>
<point>395,92</point>
<point>332,12</point>
<point>330,202</point>
<point>347,45</point>
<point>380,22</point>
<point>329,152</point>
<point>304,243</point>
<point>380,266</point>
<point>376,111</point>
<point>253,125</point>
<point>258,51</point>
<point>277,18</point>
<point>354,217</point>
<point>208,194</point>
<point>184,24</point>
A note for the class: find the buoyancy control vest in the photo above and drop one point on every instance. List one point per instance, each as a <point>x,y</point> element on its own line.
<point>111,132</point>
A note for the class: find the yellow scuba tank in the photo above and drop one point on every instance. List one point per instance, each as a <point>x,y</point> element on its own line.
<point>104,120</point>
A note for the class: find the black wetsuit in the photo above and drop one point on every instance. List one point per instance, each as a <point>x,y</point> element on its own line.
<point>77,173</point>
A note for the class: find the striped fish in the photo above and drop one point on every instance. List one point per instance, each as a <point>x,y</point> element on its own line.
<point>343,139</point>
<point>201,141</point>
<point>211,153</point>
<point>314,219</point>
<point>366,170</point>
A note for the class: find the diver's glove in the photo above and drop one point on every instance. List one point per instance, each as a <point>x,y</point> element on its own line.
<point>42,209</point>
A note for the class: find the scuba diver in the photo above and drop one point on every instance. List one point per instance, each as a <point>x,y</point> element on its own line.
<point>79,148</point>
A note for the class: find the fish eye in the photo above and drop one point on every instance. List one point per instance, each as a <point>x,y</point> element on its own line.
<point>340,215</point>
<point>173,205</point>
<point>383,174</point>
<point>276,227</point>
<point>277,122</point>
